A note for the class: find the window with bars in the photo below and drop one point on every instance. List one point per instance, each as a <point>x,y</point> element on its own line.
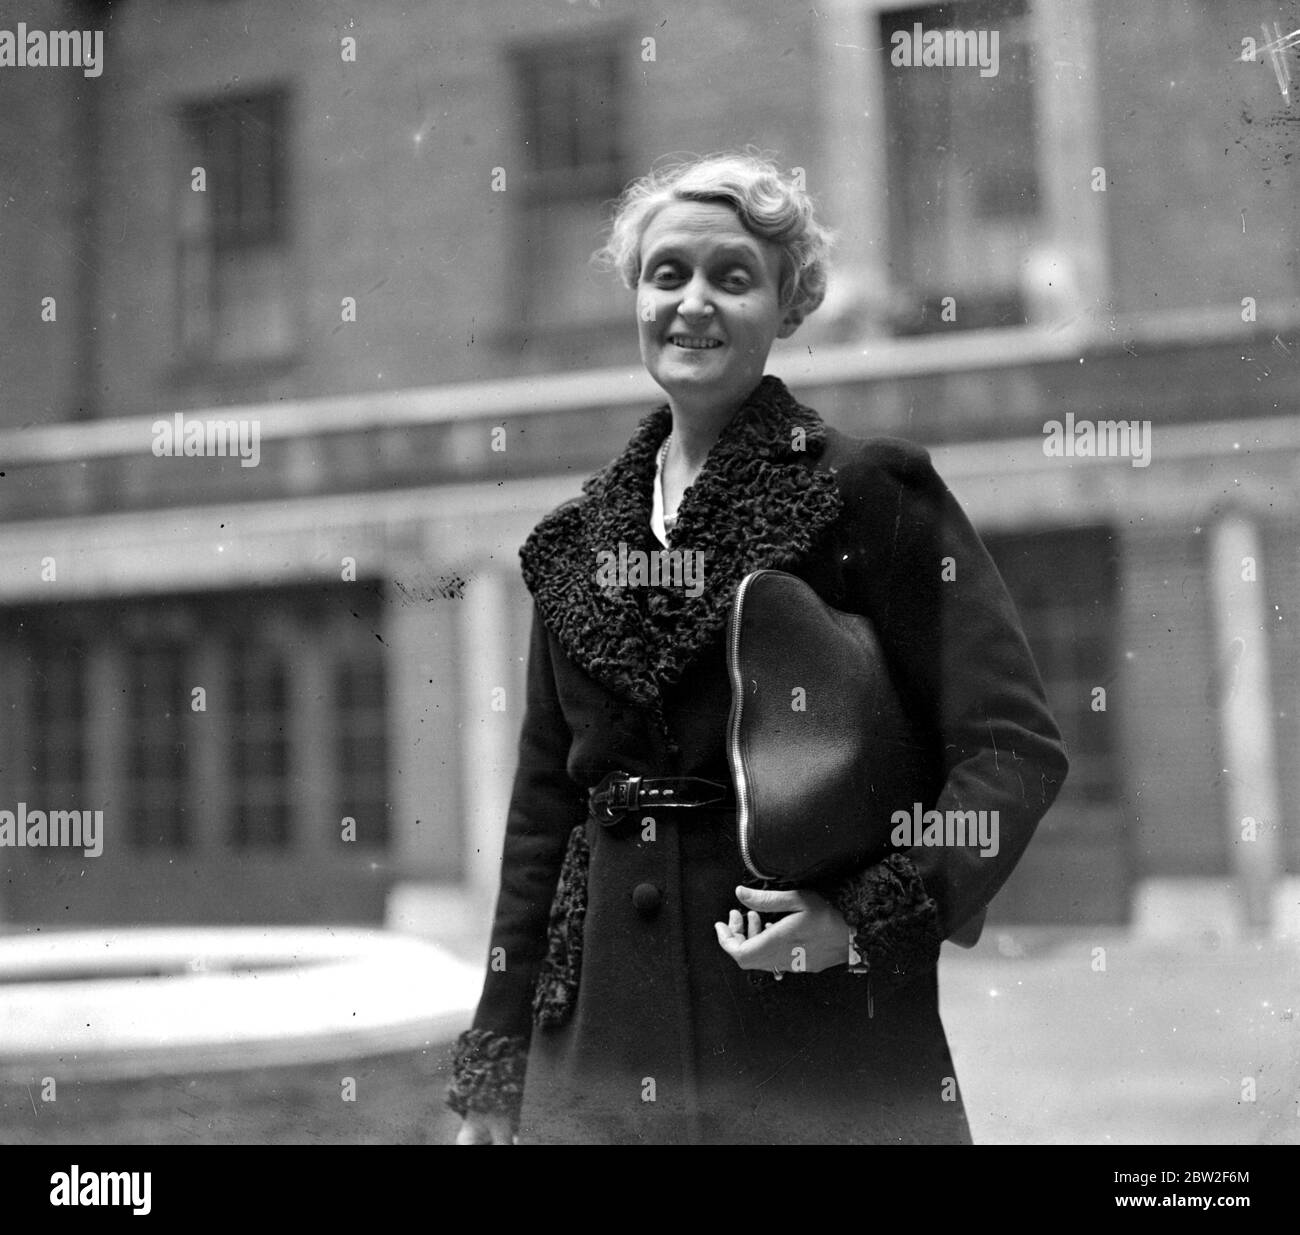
<point>362,747</point>
<point>966,215</point>
<point>158,766</point>
<point>259,748</point>
<point>234,236</point>
<point>570,101</point>
<point>58,719</point>
<point>57,738</point>
<point>252,653</point>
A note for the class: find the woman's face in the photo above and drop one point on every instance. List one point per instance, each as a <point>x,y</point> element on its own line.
<point>708,303</point>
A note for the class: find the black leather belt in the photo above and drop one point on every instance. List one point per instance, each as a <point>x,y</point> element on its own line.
<point>620,793</point>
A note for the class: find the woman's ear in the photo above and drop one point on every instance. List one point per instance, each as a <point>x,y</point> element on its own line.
<point>790,323</point>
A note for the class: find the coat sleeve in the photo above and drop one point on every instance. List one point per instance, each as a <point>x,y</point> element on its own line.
<point>950,632</point>
<point>489,1060</point>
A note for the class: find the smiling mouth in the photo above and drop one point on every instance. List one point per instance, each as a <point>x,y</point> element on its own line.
<point>692,344</point>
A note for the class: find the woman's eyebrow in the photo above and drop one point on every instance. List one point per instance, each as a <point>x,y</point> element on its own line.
<point>667,250</point>
<point>739,249</point>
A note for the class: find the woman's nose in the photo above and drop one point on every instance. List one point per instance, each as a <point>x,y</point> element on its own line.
<point>695,302</point>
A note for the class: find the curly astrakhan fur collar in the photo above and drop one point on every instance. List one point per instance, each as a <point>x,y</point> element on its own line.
<point>758,502</point>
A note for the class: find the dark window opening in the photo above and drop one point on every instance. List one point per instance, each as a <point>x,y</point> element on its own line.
<point>571,102</point>
<point>1065,587</point>
<point>234,236</point>
<point>362,748</point>
<point>965,206</point>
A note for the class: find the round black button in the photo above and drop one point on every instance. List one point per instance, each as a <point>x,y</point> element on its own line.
<point>647,898</point>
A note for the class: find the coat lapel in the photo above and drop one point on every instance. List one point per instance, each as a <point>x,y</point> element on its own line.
<point>759,502</point>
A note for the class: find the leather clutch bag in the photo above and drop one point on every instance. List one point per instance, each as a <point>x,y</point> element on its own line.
<point>821,750</point>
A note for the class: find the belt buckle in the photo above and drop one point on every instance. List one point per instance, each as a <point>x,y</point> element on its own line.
<point>616,794</point>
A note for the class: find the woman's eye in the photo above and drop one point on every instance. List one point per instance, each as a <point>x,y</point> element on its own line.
<point>737,279</point>
<point>664,274</point>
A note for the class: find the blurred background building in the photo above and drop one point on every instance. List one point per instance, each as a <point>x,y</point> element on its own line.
<point>384,267</point>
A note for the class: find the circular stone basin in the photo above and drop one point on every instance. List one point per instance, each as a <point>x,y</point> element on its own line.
<point>89,1005</point>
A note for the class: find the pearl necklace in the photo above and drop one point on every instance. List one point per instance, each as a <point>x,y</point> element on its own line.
<point>668,519</point>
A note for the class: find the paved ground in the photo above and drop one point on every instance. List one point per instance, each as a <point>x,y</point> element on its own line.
<point>1154,1049</point>
<point>1049,1049</point>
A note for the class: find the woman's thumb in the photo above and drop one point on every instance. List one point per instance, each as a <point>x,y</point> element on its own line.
<point>769,900</point>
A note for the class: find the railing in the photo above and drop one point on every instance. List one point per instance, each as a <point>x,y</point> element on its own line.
<point>874,360</point>
<point>965,387</point>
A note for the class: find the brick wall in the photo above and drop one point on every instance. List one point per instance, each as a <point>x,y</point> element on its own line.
<point>1192,140</point>
<point>392,159</point>
<point>1169,745</point>
<point>44,180</point>
<point>393,156</point>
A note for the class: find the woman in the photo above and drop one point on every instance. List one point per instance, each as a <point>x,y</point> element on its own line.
<point>628,998</point>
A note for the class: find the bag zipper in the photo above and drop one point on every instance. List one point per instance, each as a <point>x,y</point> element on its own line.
<point>733,737</point>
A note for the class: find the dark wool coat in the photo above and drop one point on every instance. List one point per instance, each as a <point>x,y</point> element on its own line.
<point>606,1018</point>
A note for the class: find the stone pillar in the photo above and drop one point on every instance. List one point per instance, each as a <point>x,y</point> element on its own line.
<point>491,705</point>
<point>425,736</point>
<point>856,196</point>
<point>1069,147</point>
<point>1245,712</point>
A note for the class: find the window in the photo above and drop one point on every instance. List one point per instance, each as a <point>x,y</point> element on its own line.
<point>58,723</point>
<point>362,744</point>
<point>234,235</point>
<point>966,217</point>
<point>247,773</point>
<point>158,758</point>
<point>259,747</point>
<point>570,101</point>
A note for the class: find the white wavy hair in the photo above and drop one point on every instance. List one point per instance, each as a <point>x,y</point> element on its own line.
<point>768,204</point>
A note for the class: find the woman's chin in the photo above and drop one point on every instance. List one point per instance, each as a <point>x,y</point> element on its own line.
<point>685,361</point>
<point>690,369</point>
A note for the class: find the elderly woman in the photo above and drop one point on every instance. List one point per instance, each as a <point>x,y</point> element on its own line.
<point>638,991</point>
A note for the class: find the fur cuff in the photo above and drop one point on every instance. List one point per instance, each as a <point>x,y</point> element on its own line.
<point>895,922</point>
<point>487,1073</point>
<point>556,992</point>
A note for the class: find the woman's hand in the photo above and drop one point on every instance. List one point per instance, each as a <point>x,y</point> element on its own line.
<point>814,936</point>
<point>481,1128</point>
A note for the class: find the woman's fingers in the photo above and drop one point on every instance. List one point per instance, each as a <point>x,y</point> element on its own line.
<point>794,942</point>
<point>732,931</point>
<point>764,900</point>
<point>741,927</point>
<point>767,945</point>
